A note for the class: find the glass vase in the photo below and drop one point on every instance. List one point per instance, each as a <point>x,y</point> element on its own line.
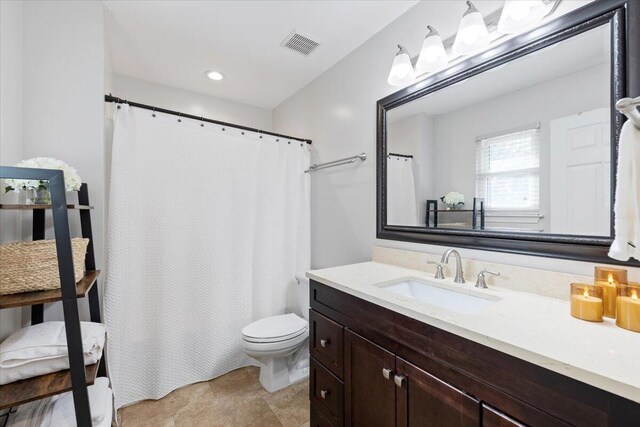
<point>38,196</point>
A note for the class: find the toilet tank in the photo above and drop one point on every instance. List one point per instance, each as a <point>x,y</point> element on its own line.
<point>302,293</point>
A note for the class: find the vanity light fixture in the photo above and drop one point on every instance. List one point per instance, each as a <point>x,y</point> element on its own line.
<point>402,71</point>
<point>472,32</point>
<point>214,75</point>
<point>473,36</point>
<point>432,56</point>
<point>519,14</point>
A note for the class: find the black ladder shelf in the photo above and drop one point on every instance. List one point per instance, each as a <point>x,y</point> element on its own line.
<point>77,377</point>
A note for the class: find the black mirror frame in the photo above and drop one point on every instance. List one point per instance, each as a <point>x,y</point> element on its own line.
<point>624,19</point>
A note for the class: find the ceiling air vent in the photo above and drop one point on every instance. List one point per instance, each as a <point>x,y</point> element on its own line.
<point>300,43</point>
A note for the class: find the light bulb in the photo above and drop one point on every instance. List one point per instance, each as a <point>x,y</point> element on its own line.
<point>518,15</point>
<point>432,56</point>
<point>402,70</point>
<point>472,33</point>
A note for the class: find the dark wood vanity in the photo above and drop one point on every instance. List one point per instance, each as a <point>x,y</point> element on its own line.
<point>371,366</point>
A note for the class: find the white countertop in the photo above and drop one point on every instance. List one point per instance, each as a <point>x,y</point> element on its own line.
<point>534,328</point>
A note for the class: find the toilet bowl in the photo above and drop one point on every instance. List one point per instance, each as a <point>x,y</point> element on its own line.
<point>279,343</point>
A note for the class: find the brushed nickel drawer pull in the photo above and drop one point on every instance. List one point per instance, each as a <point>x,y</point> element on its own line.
<point>386,373</point>
<point>399,380</point>
<point>325,343</point>
<point>324,393</point>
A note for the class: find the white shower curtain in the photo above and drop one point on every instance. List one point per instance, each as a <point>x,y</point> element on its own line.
<point>207,228</point>
<point>401,192</point>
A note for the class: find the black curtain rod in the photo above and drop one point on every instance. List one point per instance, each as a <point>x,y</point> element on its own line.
<point>408,156</point>
<point>110,98</point>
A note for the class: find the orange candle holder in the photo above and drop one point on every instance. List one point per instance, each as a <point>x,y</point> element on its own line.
<point>608,279</point>
<point>628,306</point>
<point>586,302</point>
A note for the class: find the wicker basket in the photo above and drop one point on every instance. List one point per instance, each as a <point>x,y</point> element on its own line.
<point>33,266</point>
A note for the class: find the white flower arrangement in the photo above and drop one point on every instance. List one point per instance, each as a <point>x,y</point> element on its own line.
<point>72,180</point>
<point>453,199</point>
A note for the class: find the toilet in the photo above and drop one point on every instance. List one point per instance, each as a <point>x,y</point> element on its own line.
<point>279,343</point>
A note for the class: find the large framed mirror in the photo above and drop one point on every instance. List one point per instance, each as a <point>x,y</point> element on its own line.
<point>514,149</point>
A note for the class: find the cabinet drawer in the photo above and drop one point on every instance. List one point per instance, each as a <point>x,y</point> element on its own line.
<point>327,393</point>
<point>327,342</point>
<point>319,420</point>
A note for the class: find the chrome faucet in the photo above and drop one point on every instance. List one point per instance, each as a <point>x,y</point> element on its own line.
<point>439,272</point>
<point>445,259</point>
<point>481,283</point>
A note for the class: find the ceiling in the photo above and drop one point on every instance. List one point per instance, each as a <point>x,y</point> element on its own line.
<point>566,57</point>
<point>175,42</point>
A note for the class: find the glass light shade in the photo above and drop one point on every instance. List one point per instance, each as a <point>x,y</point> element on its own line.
<point>432,56</point>
<point>520,14</point>
<point>402,71</point>
<point>472,33</point>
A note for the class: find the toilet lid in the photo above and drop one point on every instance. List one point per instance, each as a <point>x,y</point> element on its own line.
<point>275,328</point>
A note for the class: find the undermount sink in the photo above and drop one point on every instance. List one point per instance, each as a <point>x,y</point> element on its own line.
<point>461,301</point>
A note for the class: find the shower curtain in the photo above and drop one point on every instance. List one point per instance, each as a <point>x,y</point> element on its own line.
<point>207,227</point>
<point>401,192</point>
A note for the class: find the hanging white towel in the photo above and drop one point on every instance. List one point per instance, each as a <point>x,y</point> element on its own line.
<point>626,243</point>
<point>401,192</point>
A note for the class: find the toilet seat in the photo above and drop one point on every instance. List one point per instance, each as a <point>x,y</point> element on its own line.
<point>273,329</point>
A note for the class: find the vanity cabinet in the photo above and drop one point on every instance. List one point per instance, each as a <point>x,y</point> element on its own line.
<point>383,389</point>
<point>371,366</point>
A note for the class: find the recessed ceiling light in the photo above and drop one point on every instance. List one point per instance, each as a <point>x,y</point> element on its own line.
<point>214,75</point>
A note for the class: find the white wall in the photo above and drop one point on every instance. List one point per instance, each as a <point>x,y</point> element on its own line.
<point>338,111</point>
<point>146,92</point>
<point>10,127</point>
<point>59,91</point>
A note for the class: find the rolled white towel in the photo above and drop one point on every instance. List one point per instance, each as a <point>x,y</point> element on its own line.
<point>59,410</point>
<point>42,349</point>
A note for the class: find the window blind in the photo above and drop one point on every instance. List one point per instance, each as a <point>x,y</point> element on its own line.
<point>508,170</point>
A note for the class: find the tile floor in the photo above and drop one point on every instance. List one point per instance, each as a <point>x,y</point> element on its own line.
<point>234,399</point>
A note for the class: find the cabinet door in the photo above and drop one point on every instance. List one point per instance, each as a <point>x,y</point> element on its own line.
<point>368,379</point>
<point>494,418</point>
<point>424,400</point>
